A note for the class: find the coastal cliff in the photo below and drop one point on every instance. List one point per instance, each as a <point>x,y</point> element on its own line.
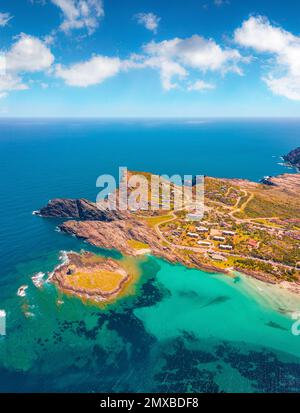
<point>293,158</point>
<point>78,208</point>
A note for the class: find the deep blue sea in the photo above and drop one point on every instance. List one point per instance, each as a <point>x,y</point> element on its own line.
<point>80,348</point>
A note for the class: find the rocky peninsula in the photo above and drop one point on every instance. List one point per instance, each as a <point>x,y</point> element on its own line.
<point>247,226</point>
<point>293,158</point>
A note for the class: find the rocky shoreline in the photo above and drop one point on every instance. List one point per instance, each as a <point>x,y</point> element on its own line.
<point>293,158</point>
<point>115,234</point>
<point>119,230</point>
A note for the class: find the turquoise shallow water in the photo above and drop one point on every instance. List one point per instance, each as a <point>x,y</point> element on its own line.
<point>214,307</point>
<point>183,330</point>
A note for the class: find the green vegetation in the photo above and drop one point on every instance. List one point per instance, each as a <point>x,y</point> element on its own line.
<point>247,264</point>
<point>265,205</point>
<point>137,244</point>
<point>222,191</point>
<point>106,281</point>
<point>154,220</point>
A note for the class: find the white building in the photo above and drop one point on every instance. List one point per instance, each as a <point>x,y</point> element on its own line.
<point>231,233</point>
<point>226,247</point>
<point>217,238</point>
<point>204,243</point>
<point>202,229</point>
<point>194,217</point>
<point>193,235</point>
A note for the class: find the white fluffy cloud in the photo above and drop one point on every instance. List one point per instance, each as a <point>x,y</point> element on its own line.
<point>91,72</point>
<point>80,14</point>
<point>198,53</point>
<point>4,19</point>
<point>175,57</point>
<point>27,54</point>
<point>10,82</point>
<point>149,20</point>
<point>287,86</point>
<point>168,71</point>
<point>200,85</point>
<point>284,76</point>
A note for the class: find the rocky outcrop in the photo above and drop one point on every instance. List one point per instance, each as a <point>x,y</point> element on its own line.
<point>90,265</point>
<point>79,209</point>
<point>267,180</point>
<point>114,235</point>
<point>293,158</point>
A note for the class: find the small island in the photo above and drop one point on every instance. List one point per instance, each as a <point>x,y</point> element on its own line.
<point>91,277</point>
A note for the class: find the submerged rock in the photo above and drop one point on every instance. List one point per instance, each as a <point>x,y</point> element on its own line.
<point>22,290</point>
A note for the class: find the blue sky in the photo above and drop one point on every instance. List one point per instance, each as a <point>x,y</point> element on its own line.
<point>150,58</point>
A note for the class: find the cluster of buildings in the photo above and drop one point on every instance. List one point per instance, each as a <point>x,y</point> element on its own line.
<point>215,235</point>
<point>213,238</point>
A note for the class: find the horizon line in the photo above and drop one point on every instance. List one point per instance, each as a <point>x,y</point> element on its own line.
<point>149,117</point>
